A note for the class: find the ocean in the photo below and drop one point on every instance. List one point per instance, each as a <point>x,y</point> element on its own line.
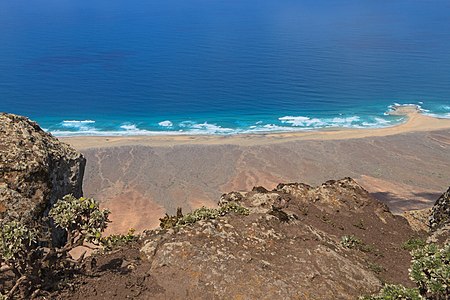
<point>146,67</point>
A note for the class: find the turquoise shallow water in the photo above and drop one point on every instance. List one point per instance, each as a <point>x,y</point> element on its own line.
<point>119,67</point>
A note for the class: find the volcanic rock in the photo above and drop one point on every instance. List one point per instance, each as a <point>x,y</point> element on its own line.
<point>289,247</point>
<point>440,213</point>
<point>36,170</point>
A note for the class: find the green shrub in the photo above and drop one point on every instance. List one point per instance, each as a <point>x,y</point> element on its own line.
<point>413,244</point>
<point>117,240</point>
<point>21,254</point>
<point>233,207</point>
<point>34,266</point>
<point>16,240</point>
<point>202,213</point>
<point>395,292</point>
<point>376,268</point>
<point>430,270</point>
<point>350,242</point>
<point>81,218</point>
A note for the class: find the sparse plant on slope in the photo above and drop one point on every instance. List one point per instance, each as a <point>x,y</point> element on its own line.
<point>233,207</point>
<point>35,266</point>
<point>414,243</point>
<point>202,213</point>
<point>430,270</point>
<point>117,240</point>
<point>350,241</point>
<point>395,292</point>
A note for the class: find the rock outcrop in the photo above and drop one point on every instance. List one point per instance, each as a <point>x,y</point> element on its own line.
<point>289,247</point>
<point>440,213</point>
<point>36,169</point>
<point>439,221</point>
<point>418,219</point>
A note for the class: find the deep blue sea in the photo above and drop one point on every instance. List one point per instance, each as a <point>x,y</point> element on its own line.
<point>115,67</point>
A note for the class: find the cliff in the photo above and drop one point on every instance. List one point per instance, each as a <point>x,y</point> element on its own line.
<point>36,169</point>
<point>332,241</point>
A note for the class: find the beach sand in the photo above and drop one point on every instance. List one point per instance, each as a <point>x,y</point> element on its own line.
<point>140,178</point>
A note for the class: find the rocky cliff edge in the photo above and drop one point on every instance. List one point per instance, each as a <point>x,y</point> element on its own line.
<point>36,169</point>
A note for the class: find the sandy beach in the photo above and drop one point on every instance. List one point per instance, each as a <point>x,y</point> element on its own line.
<point>140,178</point>
<point>416,122</point>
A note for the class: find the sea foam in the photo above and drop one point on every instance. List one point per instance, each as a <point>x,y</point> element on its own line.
<point>76,123</point>
<point>288,123</point>
<point>166,123</point>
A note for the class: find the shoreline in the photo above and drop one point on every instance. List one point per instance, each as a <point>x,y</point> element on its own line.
<point>416,122</point>
<point>141,178</point>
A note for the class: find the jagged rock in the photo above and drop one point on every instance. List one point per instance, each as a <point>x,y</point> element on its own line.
<point>344,194</point>
<point>259,189</point>
<point>441,235</point>
<point>36,169</point>
<point>418,219</point>
<point>231,197</point>
<point>282,250</point>
<point>280,214</point>
<point>440,213</point>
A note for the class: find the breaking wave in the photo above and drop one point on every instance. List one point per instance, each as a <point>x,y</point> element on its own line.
<point>287,123</point>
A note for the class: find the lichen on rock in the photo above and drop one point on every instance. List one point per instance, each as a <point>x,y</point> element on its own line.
<point>36,170</point>
<point>440,213</point>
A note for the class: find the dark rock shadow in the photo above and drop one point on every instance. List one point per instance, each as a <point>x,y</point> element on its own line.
<point>114,265</point>
<point>399,204</point>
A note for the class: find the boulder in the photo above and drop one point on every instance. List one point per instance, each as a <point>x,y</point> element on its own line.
<point>36,170</point>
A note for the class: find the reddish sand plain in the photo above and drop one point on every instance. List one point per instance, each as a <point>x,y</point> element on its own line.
<point>141,178</point>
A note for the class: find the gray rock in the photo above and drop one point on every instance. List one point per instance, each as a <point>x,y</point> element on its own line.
<point>440,213</point>
<point>36,170</point>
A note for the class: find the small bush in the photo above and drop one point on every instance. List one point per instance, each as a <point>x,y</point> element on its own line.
<point>233,207</point>
<point>15,241</point>
<point>376,268</point>
<point>20,253</point>
<point>35,267</point>
<point>413,244</point>
<point>117,240</point>
<point>351,242</point>
<point>202,213</point>
<point>430,270</point>
<point>395,292</point>
<point>81,218</point>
